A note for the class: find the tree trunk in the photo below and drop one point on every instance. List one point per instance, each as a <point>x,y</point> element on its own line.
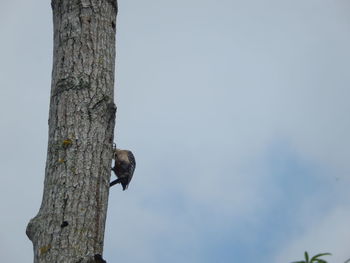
<point>69,226</point>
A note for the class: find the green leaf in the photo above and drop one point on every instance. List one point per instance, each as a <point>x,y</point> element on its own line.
<point>315,258</point>
<point>322,254</point>
<point>306,257</point>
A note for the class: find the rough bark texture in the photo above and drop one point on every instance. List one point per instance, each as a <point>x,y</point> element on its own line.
<point>69,226</point>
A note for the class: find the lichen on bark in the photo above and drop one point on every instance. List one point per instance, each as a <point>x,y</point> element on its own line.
<point>69,226</point>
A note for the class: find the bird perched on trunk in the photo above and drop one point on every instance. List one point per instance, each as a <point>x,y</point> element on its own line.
<point>124,167</point>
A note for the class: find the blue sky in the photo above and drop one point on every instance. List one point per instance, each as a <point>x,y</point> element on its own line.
<point>236,111</point>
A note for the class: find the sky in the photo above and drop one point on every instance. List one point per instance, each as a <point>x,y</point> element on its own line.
<point>237,113</point>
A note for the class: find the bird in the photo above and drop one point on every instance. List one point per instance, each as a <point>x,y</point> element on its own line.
<point>124,167</point>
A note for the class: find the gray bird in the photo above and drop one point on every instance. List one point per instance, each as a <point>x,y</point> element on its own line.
<point>124,167</point>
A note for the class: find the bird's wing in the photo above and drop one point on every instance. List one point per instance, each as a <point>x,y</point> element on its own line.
<point>133,165</point>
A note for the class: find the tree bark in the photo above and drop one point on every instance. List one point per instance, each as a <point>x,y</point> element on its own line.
<point>69,226</point>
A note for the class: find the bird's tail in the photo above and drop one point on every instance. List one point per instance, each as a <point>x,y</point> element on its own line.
<point>116,181</point>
